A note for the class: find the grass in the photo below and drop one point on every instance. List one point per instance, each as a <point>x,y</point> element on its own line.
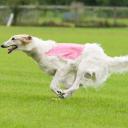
<point>27,102</point>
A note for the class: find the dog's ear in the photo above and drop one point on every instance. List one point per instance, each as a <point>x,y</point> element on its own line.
<point>26,39</point>
<point>29,37</point>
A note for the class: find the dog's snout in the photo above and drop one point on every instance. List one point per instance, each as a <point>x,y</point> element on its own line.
<point>2,46</point>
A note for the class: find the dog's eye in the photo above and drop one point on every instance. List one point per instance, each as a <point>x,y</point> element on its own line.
<point>13,38</point>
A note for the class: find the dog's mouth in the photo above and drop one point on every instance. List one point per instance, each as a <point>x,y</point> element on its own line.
<point>12,48</point>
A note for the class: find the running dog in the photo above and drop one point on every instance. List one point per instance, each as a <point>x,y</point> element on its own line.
<point>70,64</point>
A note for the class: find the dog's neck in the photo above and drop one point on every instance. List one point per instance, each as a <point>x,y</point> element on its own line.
<point>39,49</point>
<point>34,54</point>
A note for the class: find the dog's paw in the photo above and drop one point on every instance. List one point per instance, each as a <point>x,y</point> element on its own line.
<point>61,94</point>
<point>67,94</point>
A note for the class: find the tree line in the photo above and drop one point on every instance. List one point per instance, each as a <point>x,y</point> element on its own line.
<point>66,2</point>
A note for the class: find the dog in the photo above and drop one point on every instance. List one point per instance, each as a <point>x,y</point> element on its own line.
<point>71,65</point>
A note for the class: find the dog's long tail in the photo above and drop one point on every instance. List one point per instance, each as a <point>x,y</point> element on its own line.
<point>118,64</point>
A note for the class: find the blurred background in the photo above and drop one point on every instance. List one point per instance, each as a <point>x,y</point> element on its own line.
<point>66,13</point>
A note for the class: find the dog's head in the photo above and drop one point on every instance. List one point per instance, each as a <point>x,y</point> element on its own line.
<point>21,42</point>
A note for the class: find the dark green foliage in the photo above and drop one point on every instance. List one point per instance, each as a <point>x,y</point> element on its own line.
<point>67,2</point>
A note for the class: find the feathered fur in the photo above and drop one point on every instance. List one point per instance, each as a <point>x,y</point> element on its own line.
<point>90,69</point>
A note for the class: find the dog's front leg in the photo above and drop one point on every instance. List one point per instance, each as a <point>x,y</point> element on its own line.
<point>75,85</point>
<point>62,72</point>
<point>55,84</point>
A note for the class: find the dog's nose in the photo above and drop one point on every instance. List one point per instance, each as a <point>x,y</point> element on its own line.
<point>2,46</point>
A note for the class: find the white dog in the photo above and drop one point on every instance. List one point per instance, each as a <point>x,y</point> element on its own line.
<point>71,64</point>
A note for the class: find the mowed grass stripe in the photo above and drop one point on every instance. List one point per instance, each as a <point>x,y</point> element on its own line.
<point>27,102</point>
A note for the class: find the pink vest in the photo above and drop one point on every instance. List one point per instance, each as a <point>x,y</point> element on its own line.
<point>66,51</point>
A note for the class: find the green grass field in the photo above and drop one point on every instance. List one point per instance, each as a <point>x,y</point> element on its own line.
<point>27,102</point>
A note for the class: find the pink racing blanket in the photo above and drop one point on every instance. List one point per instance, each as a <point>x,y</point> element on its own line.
<point>66,51</point>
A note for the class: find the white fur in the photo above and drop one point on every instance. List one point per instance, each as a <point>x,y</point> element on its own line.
<point>91,69</point>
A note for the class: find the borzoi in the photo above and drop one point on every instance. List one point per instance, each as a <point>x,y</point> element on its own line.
<point>71,64</point>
